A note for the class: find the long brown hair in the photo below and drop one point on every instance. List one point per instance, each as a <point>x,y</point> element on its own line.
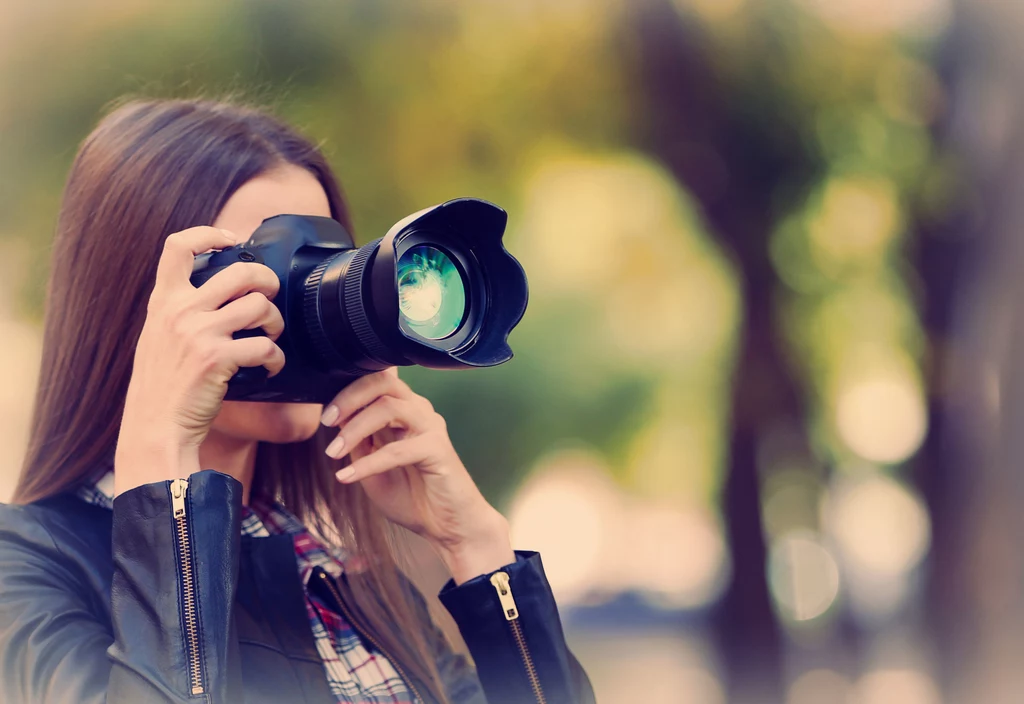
<point>151,168</point>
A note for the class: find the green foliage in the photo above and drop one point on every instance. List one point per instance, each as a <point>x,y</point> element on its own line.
<point>417,102</point>
<point>414,103</point>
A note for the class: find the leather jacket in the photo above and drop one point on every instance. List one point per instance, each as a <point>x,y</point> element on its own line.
<point>163,600</point>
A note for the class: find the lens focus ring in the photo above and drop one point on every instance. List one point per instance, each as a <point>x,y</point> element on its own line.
<point>322,347</point>
<point>356,305</point>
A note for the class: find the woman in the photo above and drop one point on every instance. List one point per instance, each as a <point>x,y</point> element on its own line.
<point>165,545</point>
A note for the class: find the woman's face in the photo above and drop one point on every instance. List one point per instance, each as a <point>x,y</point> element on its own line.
<point>286,189</point>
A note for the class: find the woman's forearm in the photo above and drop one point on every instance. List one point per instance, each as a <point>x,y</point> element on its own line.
<point>171,613</point>
<point>511,625</point>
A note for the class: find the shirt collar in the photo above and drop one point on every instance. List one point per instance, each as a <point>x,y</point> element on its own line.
<point>99,491</point>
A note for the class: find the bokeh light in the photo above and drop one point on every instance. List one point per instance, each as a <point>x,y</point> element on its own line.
<point>856,221</point>
<point>569,511</point>
<point>676,558</point>
<point>617,232</point>
<point>879,524</point>
<point>601,542</point>
<point>869,322</point>
<point>874,17</point>
<point>897,686</point>
<point>803,576</point>
<point>667,667</point>
<point>821,687</point>
<point>882,416</point>
<point>882,531</point>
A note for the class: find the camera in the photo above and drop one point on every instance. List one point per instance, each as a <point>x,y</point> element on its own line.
<point>439,290</point>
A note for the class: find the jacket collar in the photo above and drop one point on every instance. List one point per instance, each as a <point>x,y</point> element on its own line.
<point>262,518</point>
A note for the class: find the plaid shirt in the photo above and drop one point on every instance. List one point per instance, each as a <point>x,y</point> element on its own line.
<point>355,674</point>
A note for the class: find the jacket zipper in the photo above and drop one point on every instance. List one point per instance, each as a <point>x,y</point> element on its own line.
<point>359,629</point>
<point>178,489</point>
<point>500,580</point>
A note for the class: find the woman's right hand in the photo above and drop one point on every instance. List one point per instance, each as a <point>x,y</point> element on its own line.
<point>186,355</point>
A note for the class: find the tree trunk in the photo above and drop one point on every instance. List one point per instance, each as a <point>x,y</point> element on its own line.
<point>733,165</point>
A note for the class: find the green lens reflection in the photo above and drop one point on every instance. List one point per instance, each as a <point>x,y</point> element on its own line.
<point>431,292</point>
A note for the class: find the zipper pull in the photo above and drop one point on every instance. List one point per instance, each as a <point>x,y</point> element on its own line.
<point>504,589</point>
<point>178,489</point>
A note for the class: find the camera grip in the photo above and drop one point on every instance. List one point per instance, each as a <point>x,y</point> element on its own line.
<point>204,268</point>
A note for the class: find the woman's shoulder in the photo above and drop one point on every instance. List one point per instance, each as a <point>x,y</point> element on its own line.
<point>53,523</point>
<point>54,551</point>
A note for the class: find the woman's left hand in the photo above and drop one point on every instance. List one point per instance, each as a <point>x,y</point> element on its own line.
<point>401,453</point>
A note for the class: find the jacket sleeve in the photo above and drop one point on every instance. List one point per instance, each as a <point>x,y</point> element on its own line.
<point>521,656</point>
<point>171,637</point>
<point>461,684</point>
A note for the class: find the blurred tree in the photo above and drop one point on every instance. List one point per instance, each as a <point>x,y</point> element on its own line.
<point>807,151</point>
<point>716,139</point>
<point>972,264</point>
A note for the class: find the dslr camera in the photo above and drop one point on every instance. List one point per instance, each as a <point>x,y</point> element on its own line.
<point>438,290</point>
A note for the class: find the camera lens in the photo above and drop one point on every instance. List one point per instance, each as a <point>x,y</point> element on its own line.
<point>431,292</point>
<point>439,290</point>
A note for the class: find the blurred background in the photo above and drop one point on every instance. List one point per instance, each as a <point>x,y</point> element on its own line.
<point>762,418</point>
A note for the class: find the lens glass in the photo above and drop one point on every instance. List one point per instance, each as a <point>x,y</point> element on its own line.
<point>431,292</point>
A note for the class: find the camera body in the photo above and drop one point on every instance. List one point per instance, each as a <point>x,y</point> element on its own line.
<point>342,304</point>
<point>291,245</point>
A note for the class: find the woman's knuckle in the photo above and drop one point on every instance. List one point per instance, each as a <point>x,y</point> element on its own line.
<point>236,272</point>
<point>174,242</point>
<point>268,274</point>
<point>208,356</point>
<point>439,422</point>
<point>251,306</point>
<point>178,321</point>
<point>397,451</point>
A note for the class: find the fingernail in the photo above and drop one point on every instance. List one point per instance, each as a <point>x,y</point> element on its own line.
<point>330,415</point>
<point>334,449</point>
<point>345,474</point>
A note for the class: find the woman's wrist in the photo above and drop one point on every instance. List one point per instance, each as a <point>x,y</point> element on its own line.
<point>151,457</point>
<point>488,549</point>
